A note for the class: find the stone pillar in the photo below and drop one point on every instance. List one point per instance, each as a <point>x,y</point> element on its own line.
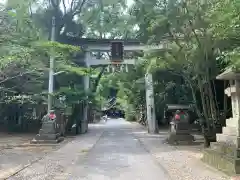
<point>237,112</point>
<point>84,121</point>
<point>108,68</point>
<point>113,68</point>
<point>126,68</point>
<point>151,116</point>
<point>48,134</point>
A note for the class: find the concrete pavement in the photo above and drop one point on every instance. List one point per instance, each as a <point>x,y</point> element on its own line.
<point>116,150</point>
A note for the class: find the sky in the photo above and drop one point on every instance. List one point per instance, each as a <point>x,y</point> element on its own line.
<point>129,2</point>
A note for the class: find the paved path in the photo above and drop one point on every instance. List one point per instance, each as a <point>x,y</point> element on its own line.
<point>112,151</point>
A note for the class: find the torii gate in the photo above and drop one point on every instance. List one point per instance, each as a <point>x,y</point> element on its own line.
<point>104,45</point>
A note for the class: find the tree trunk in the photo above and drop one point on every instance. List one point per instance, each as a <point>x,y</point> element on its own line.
<point>205,114</point>
<point>98,79</point>
<point>208,107</point>
<point>194,98</point>
<point>212,103</point>
<point>215,99</point>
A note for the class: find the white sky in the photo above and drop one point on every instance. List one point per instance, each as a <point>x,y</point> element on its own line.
<point>129,2</point>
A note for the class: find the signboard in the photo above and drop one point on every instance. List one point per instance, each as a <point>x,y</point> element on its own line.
<point>117,51</point>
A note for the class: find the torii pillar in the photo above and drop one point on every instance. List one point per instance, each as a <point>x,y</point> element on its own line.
<point>151,114</point>
<point>84,121</point>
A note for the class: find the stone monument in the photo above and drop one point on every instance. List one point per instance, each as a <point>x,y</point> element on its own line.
<point>48,134</point>
<point>225,153</point>
<point>180,129</point>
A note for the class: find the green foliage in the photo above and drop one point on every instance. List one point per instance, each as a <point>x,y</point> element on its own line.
<point>107,19</point>
<point>201,43</point>
<point>224,19</point>
<point>22,99</point>
<point>25,54</point>
<point>55,49</point>
<point>72,95</point>
<point>202,37</point>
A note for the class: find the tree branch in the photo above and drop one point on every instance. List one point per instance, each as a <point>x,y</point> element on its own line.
<point>191,25</point>
<point>55,5</point>
<point>98,79</point>
<point>64,6</point>
<point>79,7</point>
<point>13,77</point>
<point>188,81</point>
<point>71,6</point>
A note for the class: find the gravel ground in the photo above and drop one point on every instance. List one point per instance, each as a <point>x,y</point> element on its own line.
<point>16,153</point>
<point>119,150</point>
<point>182,162</point>
<point>55,163</point>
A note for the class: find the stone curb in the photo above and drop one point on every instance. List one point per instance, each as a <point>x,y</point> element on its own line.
<point>10,146</point>
<point>16,170</point>
<point>27,145</point>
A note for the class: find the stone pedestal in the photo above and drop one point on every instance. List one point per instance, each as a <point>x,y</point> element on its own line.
<point>75,129</point>
<point>47,134</point>
<point>84,127</point>
<point>225,153</point>
<point>180,133</point>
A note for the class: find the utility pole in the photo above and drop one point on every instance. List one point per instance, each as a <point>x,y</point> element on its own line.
<point>51,69</point>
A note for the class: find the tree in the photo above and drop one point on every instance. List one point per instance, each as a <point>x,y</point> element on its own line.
<point>193,58</point>
<point>107,19</point>
<point>191,45</point>
<point>25,52</point>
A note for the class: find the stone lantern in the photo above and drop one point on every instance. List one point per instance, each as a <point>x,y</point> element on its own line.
<point>48,133</point>
<point>225,153</point>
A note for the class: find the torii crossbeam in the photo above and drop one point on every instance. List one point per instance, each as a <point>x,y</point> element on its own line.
<point>104,45</point>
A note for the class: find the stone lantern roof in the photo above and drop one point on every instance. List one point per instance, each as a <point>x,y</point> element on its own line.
<point>229,74</point>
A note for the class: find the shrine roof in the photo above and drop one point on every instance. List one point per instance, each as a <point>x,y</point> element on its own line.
<point>178,107</point>
<point>92,41</point>
<point>229,74</point>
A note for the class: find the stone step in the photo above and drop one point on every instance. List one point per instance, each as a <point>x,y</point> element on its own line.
<point>225,149</point>
<point>228,139</point>
<point>47,136</point>
<point>232,122</point>
<point>228,165</point>
<point>231,131</point>
<point>174,138</point>
<point>35,141</point>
